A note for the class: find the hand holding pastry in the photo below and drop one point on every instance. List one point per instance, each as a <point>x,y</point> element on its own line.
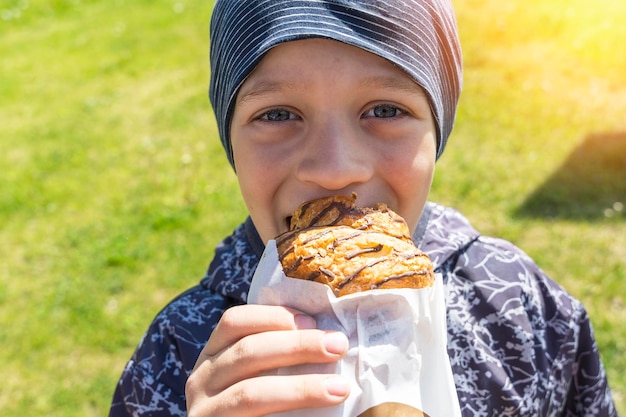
<point>232,374</point>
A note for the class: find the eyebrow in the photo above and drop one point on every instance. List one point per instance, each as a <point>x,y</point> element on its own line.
<point>401,84</point>
<point>261,88</point>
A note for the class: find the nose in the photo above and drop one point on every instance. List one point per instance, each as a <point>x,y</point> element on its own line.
<point>335,156</point>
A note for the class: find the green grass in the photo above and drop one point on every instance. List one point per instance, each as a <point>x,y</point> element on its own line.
<point>114,189</point>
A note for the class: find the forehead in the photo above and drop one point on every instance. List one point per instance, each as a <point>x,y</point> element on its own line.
<point>291,64</point>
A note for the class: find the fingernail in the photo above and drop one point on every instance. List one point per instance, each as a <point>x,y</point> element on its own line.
<point>305,322</point>
<point>335,343</point>
<point>336,386</point>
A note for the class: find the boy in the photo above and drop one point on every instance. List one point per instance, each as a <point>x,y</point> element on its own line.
<point>318,98</point>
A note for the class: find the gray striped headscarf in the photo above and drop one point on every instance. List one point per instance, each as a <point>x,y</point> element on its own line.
<point>419,36</point>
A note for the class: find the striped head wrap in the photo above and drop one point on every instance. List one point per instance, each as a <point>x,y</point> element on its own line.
<point>419,36</point>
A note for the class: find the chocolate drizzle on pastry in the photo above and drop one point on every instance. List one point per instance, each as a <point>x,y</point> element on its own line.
<point>352,249</point>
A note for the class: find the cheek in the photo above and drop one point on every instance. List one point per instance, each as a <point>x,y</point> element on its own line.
<point>409,173</point>
<point>260,173</point>
<point>247,167</point>
<point>412,180</point>
<point>409,164</point>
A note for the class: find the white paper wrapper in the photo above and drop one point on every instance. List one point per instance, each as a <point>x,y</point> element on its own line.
<point>397,340</point>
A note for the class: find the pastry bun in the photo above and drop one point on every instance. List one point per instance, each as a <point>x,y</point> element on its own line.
<point>393,410</point>
<point>352,249</point>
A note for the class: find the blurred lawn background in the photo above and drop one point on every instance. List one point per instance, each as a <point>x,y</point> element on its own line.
<point>114,189</point>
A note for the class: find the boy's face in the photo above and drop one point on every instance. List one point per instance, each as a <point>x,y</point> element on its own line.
<point>318,118</point>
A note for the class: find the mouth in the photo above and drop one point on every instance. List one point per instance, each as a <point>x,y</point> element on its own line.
<point>288,222</point>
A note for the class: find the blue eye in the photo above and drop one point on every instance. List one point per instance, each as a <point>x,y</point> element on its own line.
<point>277,115</point>
<point>384,111</point>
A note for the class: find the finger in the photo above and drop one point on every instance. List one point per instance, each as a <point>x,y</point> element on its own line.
<point>261,352</point>
<point>273,394</point>
<point>240,321</point>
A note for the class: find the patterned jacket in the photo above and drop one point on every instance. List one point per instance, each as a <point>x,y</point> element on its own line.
<point>519,344</point>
